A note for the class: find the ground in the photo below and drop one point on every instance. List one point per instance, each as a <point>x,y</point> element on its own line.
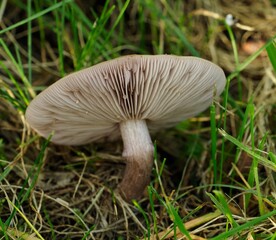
<point>213,175</point>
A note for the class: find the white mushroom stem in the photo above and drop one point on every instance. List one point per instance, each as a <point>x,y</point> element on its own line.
<point>138,152</point>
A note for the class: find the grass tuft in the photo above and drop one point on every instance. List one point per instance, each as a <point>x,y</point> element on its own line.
<point>213,175</point>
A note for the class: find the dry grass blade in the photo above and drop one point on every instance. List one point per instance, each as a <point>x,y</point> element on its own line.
<point>169,233</point>
<point>21,235</point>
<point>69,194</point>
<point>27,221</point>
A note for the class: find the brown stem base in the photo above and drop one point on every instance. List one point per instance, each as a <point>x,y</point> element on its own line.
<point>138,152</point>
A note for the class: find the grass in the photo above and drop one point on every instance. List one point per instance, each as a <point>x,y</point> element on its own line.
<point>214,175</point>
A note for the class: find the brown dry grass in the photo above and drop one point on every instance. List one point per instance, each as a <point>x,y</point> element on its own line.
<point>73,192</point>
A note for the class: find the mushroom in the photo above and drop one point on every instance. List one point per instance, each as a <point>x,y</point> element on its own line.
<point>126,96</point>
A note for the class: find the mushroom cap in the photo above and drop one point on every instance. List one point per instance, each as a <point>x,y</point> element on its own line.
<point>89,105</point>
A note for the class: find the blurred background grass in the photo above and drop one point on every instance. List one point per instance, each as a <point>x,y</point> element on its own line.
<point>214,175</point>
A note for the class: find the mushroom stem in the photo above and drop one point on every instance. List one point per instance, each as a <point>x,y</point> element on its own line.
<point>138,152</point>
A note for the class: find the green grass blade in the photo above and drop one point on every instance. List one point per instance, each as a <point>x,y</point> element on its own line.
<point>33,176</point>
<point>3,229</point>
<point>136,204</point>
<point>155,229</point>
<point>272,156</point>
<point>15,101</point>
<point>262,160</point>
<point>242,129</point>
<point>73,15</point>
<point>35,16</point>
<point>214,142</point>
<point>29,12</point>
<point>251,178</point>
<point>250,59</point>
<point>60,20</point>
<point>170,25</point>
<point>51,225</point>
<point>95,34</point>
<point>271,51</point>
<point>224,124</point>
<point>257,181</point>
<point>20,72</point>
<point>222,205</point>
<point>236,57</point>
<point>118,19</point>
<point>26,220</point>
<point>248,225</point>
<point>177,220</point>
<point>42,34</point>
<point>5,173</point>
<point>87,233</point>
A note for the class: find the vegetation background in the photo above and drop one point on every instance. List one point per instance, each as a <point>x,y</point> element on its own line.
<point>214,175</point>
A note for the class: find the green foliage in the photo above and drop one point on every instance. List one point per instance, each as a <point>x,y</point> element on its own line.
<point>2,152</point>
<point>222,204</point>
<point>271,51</point>
<point>248,225</point>
<point>79,38</point>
